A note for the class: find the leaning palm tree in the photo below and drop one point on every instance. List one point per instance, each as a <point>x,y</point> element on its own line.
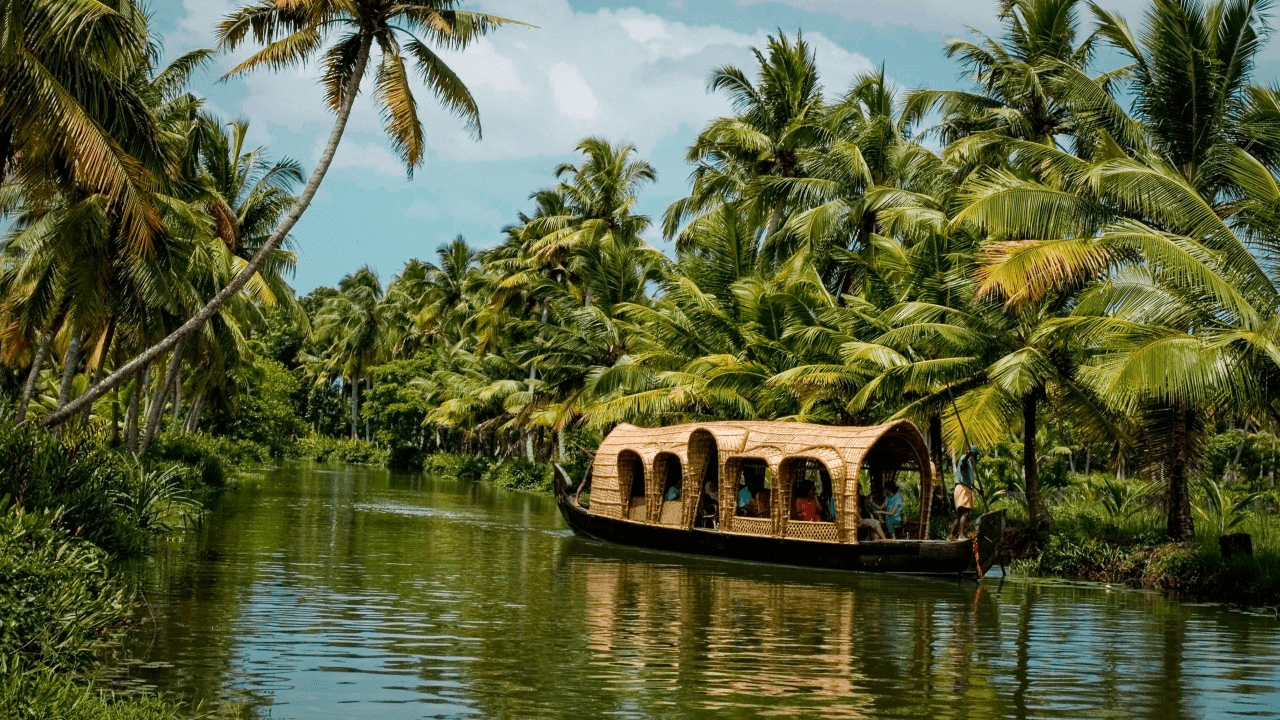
<point>295,31</point>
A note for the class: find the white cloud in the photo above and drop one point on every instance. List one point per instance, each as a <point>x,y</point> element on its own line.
<point>644,29</point>
<point>573,95</point>
<point>198,25</point>
<point>374,157</point>
<point>949,17</point>
<point>627,75</point>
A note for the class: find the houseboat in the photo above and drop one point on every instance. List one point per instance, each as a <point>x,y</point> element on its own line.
<point>685,488</point>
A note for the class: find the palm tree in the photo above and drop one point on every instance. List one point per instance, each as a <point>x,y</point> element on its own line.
<point>295,31</point>
<point>1164,221</point>
<point>64,112</point>
<point>595,204</point>
<point>776,119</point>
<point>1019,78</point>
<point>445,306</point>
<point>352,329</point>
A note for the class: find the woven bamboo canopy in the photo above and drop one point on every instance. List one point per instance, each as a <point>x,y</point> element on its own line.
<point>703,451</point>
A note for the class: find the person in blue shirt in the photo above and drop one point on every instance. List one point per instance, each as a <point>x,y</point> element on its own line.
<point>892,513</point>
<point>753,498</point>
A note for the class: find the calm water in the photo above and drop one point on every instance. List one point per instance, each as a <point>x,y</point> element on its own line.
<point>327,592</point>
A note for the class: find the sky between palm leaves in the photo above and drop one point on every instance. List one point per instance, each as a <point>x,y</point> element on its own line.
<point>632,70</point>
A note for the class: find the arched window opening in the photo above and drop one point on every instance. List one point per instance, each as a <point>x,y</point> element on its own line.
<point>753,492</point>
<point>631,481</point>
<point>895,476</point>
<point>671,476</point>
<point>811,494</point>
<point>704,464</point>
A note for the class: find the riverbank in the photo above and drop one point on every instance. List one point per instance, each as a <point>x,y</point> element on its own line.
<point>510,473</point>
<point>71,506</point>
<point>1105,530</point>
<point>1110,530</point>
<point>1079,548</point>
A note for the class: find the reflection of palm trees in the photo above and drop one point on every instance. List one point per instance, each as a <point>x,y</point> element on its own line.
<point>1022,671</point>
<point>1171,702</point>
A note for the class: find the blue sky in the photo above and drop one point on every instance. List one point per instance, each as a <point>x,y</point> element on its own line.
<point>626,70</point>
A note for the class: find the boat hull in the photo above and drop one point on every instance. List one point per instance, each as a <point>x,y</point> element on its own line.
<point>915,557</point>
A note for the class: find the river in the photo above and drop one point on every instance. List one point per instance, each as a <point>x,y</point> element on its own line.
<point>339,592</point>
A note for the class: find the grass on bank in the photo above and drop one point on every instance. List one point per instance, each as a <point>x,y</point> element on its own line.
<point>1113,531</point>
<point>69,505</point>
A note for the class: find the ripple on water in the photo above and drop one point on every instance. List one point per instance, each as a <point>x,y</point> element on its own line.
<point>357,593</point>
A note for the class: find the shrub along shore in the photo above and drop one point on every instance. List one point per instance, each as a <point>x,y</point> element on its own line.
<point>70,506</point>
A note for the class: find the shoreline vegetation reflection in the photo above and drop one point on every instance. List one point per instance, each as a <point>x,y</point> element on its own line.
<point>324,591</point>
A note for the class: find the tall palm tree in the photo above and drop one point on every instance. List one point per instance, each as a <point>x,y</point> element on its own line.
<point>353,331</point>
<point>1163,221</point>
<point>597,196</point>
<point>445,307</point>
<point>1018,78</point>
<point>776,118</point>
<point>295,31</point>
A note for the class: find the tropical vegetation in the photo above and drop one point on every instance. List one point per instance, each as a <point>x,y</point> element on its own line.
<point>1068,261</point>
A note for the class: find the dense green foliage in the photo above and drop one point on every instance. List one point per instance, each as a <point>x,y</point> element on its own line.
<point>1081,279</point>
<point>1069,261</point>
<point>68,506</point>
<point>109,498</point>
<point>57,595</point>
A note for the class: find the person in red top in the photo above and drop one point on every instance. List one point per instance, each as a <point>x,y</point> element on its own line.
<point>806,506</point>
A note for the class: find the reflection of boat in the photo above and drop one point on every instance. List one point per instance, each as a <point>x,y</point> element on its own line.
<point>677,488</point>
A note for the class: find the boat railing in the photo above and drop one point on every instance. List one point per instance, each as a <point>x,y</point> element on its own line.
<point>751,525</point>
<point>812,530</point>
<point>672,513</point>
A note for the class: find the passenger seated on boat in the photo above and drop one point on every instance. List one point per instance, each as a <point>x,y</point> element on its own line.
<point>806,503</point>
<point>673,489</point>
<point>892,509</point>
<point>709,505</point>
<point>868,522</point>
<point>753,497</point>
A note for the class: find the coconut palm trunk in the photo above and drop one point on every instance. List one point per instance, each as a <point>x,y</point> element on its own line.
<point>237,283</point>
<point>355,407</point>
<point>87,414</point>
<point>115,406</point>
<point>37,363</point>
<point>69,364</point>
<point>193,414</point>
<point>177,402</point>
<point>107,338</point>
<point>155,414</point>
<point>1179,525</point>
<point>1030,468</point>
<point>135,403</point>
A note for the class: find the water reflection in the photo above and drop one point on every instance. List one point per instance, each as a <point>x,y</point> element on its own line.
<point>333,593</point>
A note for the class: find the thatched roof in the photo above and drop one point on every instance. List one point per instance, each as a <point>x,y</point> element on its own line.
<point>843,450</point>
